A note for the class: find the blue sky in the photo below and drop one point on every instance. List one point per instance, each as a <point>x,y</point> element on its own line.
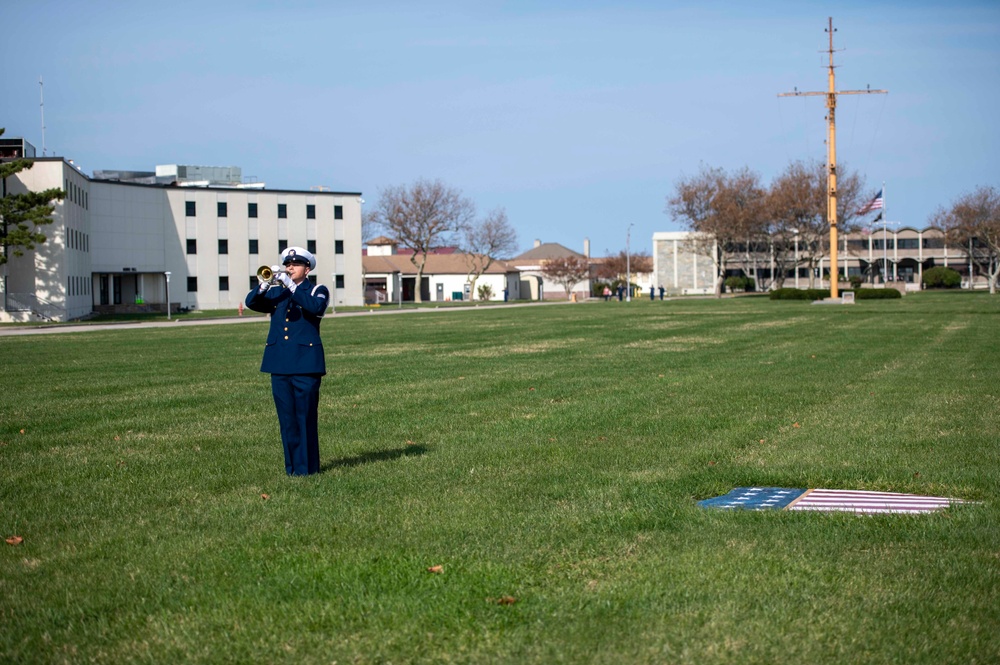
<point>577,117</point>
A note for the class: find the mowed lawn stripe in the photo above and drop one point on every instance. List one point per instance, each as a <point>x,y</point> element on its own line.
<point>548,459</point>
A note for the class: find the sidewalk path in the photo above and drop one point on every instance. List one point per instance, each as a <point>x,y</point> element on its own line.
<point>183,323</point>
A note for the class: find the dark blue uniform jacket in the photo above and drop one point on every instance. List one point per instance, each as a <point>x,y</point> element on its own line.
<point>293,344</point>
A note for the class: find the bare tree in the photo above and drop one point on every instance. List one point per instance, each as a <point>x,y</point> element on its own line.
<point>796,215</point>
<point>724,212</point>
<point>369,227</point>
<point>422,217</point>
<point>566,271</point>
<point>742,201</point>
<point>619,265</point>
<point>486,241</point>
<point>973,224</point>
<point>797,226</point>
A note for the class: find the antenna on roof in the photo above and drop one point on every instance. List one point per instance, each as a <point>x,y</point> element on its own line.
<point>41,93</point>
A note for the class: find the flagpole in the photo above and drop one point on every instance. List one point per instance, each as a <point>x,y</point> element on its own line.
<point>885,241</point>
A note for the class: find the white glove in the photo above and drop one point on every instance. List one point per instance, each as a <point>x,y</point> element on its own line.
<point>263,287</point>
<point>285,279</point>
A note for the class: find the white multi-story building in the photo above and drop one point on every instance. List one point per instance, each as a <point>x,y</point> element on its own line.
<point>122,246</point>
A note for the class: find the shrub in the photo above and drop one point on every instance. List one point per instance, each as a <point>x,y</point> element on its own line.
<point>598,289</point>
<point>735,283</point>
<point>820,294</point>
<point>799,294</point>
<point>485,291</point>
<point>856,281</point>
<point>876,294</point>
<point>941,277</point>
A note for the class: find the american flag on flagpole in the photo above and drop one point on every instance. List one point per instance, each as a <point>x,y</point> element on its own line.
<point>875,204</point>
<point>850,501</point>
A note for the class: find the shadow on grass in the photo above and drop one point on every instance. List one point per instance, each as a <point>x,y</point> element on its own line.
<point>372,457</point>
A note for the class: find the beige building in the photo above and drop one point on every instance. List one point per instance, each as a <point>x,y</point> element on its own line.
<point>533,280</point>
<point>881,257</point>
<point>391,276</point>
<point>122,246</point>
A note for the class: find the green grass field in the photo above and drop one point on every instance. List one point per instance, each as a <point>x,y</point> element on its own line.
<point>547,458</point>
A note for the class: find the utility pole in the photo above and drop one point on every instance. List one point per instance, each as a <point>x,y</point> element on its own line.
<point>41,104</point>
<point>831,154</point>
<point>628,263</point>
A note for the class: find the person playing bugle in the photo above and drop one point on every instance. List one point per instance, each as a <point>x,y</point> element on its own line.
<point>293,353</point>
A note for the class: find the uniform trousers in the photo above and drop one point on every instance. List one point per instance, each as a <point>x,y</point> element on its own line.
<point>296,397</point>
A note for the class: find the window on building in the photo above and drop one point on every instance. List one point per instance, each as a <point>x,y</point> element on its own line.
<point>312,279</point>
<point>223,282</point>
<point>338,212</point>
<point>878,243</point>
<point>254,282</point>
<point>311,246</point>
<point>934,243</point>
<point>310,211</point>
<point>339,281</point>
<point>223,209</point>
<point>192,246</point>
<point>338,246</point>
<point>282,211</point>
<point>192,283</point>
<point>189,208</point>
<point>282,245</point>
<point>251,210</point>
<point>909,243</point>
<point>223,246</point>
<point>253,246</point>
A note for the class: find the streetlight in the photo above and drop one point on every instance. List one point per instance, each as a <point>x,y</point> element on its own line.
<point>628,263</point>
<point>168,294</point>
<point>970,263</point>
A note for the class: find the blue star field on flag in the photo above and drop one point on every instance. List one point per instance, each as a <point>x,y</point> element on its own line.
<point>754,498</point>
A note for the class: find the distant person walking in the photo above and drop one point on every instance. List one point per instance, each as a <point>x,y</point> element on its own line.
<point>607,293</point>
<point>661,292</point>
<point>621,292</point>
<point>652,292</point>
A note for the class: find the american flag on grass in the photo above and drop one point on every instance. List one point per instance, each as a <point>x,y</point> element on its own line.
<point>850,501</point>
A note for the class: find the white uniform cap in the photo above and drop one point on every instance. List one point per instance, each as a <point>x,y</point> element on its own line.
<point>299,255</point>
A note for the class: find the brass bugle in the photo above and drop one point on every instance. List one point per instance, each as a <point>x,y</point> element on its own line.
<point>265,274</point>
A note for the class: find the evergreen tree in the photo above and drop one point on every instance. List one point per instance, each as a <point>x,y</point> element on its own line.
<point>21,215</point>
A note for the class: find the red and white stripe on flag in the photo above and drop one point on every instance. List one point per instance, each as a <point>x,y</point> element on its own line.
<point>869,502</point>
<point>874,204</point>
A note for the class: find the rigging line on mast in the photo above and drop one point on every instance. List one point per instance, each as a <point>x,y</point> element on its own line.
<point>854,125</point>
<point>878,126</point>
